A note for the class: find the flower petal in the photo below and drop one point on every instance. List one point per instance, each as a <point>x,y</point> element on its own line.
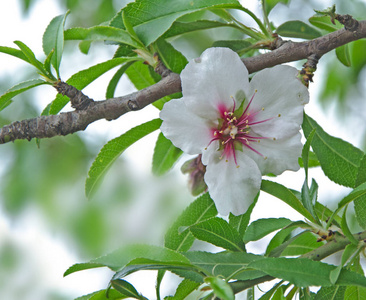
<point>212,80</point>
<point>279,92</point>
<point>281,154</point>
<point>232,188</point>
<point>186,130</point>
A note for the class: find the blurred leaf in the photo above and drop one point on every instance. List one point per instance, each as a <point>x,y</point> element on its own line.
<point>312,161</point>
<point>260,228</point>
<point>126,288</point>
<point>84,46</point>
<point>5,99</point>
<point>324,22</point>
<point>112,150</point>
<point>171,58</point>
<point>343,54</point>
<point>361,175</point>
<point>165,155</point>
<point>339,159</point>
<point>334,293</point>
<point>201,209</point>
<point>162,14</point>
<point>53,40</point>
<point>297,29</point>
<point>179,28</point>
<point>221,288</point>
<point>305,272</point>
<point>272,3</point>
<point>235,45</point>
<point>240,223</point>
<point>183,290</point>
<point>219,233</point>
<point>82,79</point>
<point>100,33</point>
<point>286,195</point>
<point>345,229</point>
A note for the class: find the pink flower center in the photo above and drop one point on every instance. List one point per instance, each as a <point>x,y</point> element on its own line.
<point>234,130</point>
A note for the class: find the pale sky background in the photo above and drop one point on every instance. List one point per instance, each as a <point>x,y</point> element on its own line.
<point>48,251</point>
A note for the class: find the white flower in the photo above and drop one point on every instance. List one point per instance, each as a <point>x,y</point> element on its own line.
<point>242,129</point>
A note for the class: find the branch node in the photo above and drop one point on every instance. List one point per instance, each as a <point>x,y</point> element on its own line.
<point>132,105</point>
<point>307,72</point>
<point>348,21</point>
<point>78,100</point>
<point>160,68</point>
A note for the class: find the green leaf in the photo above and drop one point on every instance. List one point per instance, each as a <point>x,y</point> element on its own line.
<point>201,209</point>
<point>184,288</point>
<point>348,252</point>
<point>345,229</point>
<point>302,244</point>
<point>343,54</point>
<point>240,223</point>
<point>14,52</point>
<point>165,155</point>
<point>354,293</point>
<point>361,174</point>
<point>286,195</point>
<point>305,272</point>
<point>112,150</point>
<point>281,236</point>
<point>108,294</point>
<point>162,14</point>
<point>260,228</point>
<point>324,22</point>
<point>333,293</point>
<point>119,258</point>
<point>228,265</point>
<point>313,161</point>
<point>171,58</point>
<point>82,79</point>
<point>221,288</point>
<point>101,33</point>
<point>179,28</point>
<point>126,288</point>
<point>297,29</point>
<point>31,58</point>
<point>235,45</point>
<point>115,79</point>
<point>309,197</point>
<point>53,40</point>
<point>272,3</point>
<point>360,209</point>
<point>5,99</point>
<point>219,233</point>
<point>339,159</point>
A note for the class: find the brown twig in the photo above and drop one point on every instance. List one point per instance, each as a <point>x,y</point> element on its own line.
<point>70,122</point>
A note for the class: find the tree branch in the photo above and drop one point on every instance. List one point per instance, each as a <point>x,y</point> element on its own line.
<point>70,122</point>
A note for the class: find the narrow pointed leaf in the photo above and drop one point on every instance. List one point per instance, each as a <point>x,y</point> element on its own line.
<point>260,228</point>
<point>333,293</point>
<point>14,52</point>
<point>286,195</point>
<point>165,155</point>
<point>219,233</point>
<point>126,288</point>
<point>112,85</point>
<point>112,150</point>
<point>101,33</point>
<point>339,159</point>
<point>53,40</point>
<point>201,209</point>
<point>5,99</point>
<point>221,288</point>
<point>171,57</point>
<point>110,294</point>
<point>185,288</point>
<point>30,56</point>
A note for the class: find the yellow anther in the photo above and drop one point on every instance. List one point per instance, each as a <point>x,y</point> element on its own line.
<point>262,108</point>
<point>226,160</point>
<point>274,139</point>
<point>279,115</point>
<point>237,166</point>
<point>256,91</point>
